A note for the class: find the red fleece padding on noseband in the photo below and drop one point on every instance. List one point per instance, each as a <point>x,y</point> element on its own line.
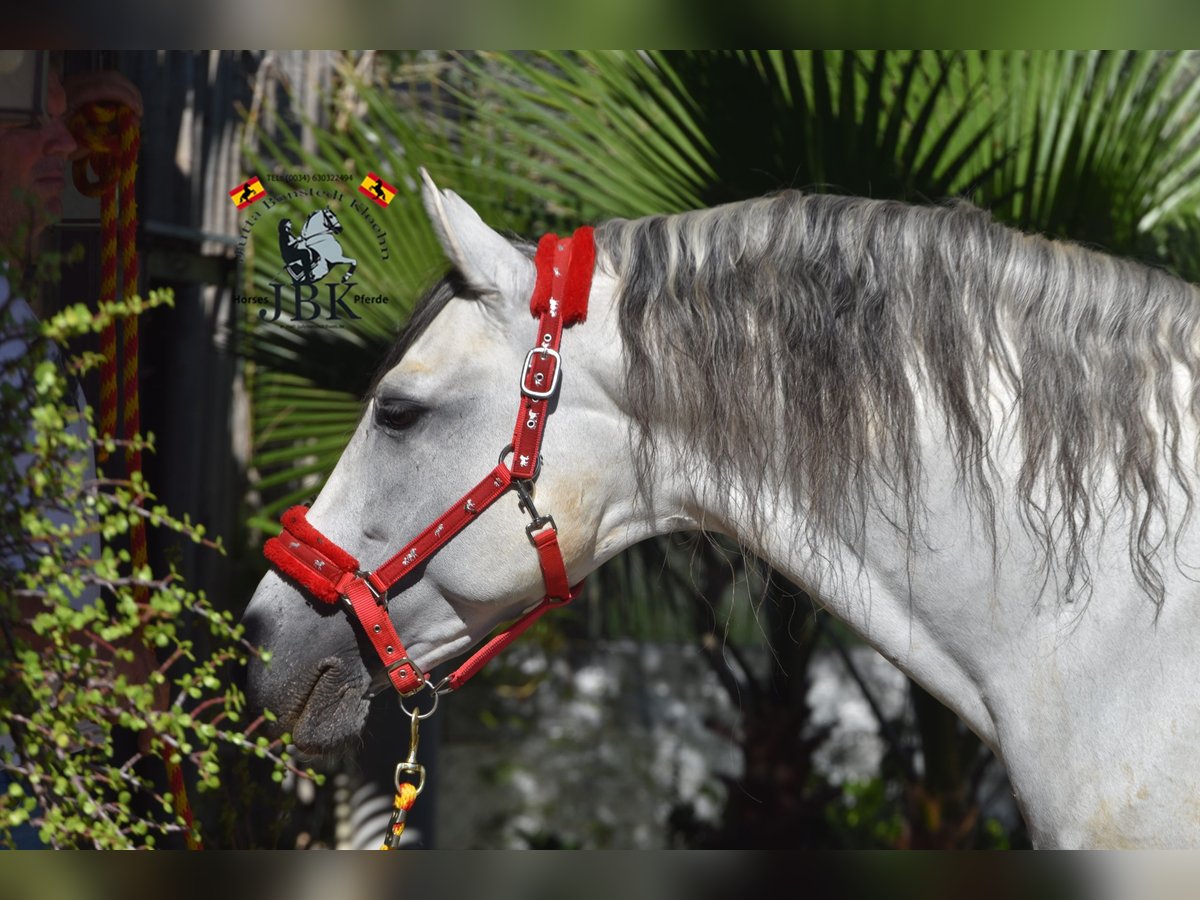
<point>573,305</point>
<point>295,520</point>
<point>320,588</point>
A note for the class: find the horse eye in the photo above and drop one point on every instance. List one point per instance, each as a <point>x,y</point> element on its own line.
<point>397,415</point>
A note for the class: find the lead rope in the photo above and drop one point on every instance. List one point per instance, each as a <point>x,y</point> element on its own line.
<point>406,791</point>
<point>112,138</point>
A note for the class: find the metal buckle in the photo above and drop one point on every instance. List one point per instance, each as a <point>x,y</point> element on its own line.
<point>536,393</point>
<point>420,676</point>
<point>382,680</point>
<point>381,599</point>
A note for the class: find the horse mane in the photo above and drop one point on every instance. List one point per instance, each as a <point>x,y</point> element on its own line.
<point>839,320</point>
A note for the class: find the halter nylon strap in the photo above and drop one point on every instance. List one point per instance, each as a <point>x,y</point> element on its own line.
<point>564,276</point>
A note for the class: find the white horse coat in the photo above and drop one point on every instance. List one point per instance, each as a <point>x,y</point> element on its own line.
<point>1079,680</point>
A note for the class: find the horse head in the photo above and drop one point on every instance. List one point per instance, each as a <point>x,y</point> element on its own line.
<point>438,417</point>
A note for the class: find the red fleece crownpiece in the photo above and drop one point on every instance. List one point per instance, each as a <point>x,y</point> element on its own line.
<point>572,297</point>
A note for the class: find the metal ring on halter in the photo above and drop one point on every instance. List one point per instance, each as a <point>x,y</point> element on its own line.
<point>537,470</point>
<point>429,712</point>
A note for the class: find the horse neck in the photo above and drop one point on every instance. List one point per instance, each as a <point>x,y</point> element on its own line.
<point>869,582</point>
<point>973,616</point>
<point>927,614</point>
<point>676,491</point>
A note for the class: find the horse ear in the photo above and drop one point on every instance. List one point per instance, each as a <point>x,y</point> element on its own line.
<point>489,263</point>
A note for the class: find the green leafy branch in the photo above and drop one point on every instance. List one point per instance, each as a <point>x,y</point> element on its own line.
<point>110,668</point>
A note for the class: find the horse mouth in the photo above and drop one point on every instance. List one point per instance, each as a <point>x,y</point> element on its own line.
<point>331,713</point>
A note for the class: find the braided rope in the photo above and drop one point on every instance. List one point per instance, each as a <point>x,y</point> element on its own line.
<point>406,795</point>
<point>108,337</point>
<point>130,142</point>
<point>113,138</point>
<point>95,127</point>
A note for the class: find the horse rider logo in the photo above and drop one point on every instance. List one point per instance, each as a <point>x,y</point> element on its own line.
<point>309,256</point>
<point>320,279</point>
<point>245,194</point>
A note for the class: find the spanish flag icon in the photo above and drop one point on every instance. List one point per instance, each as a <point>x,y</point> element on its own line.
<point>245,194</point>
<point>377,189</point>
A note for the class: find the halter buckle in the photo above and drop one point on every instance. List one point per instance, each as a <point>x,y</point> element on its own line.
<point>365,578</point>
<point>381,599</point>
<point>381,681</point>
<point>417,673</point>
<point>537,392</point>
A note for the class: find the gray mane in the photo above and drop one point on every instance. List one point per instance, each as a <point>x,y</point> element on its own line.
<point>835,318</point>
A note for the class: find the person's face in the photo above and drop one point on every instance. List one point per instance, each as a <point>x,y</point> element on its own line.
<point>33,158</point>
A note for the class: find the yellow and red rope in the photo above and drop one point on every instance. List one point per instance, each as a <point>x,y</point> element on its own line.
<point>112,138</point>
<point>406,794</point>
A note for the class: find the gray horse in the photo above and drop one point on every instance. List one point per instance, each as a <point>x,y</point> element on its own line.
<point>978,448</point>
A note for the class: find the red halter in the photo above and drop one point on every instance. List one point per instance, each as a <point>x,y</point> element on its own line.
<point>560,296</point>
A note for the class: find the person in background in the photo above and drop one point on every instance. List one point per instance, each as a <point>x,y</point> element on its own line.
<point>34,159</point>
